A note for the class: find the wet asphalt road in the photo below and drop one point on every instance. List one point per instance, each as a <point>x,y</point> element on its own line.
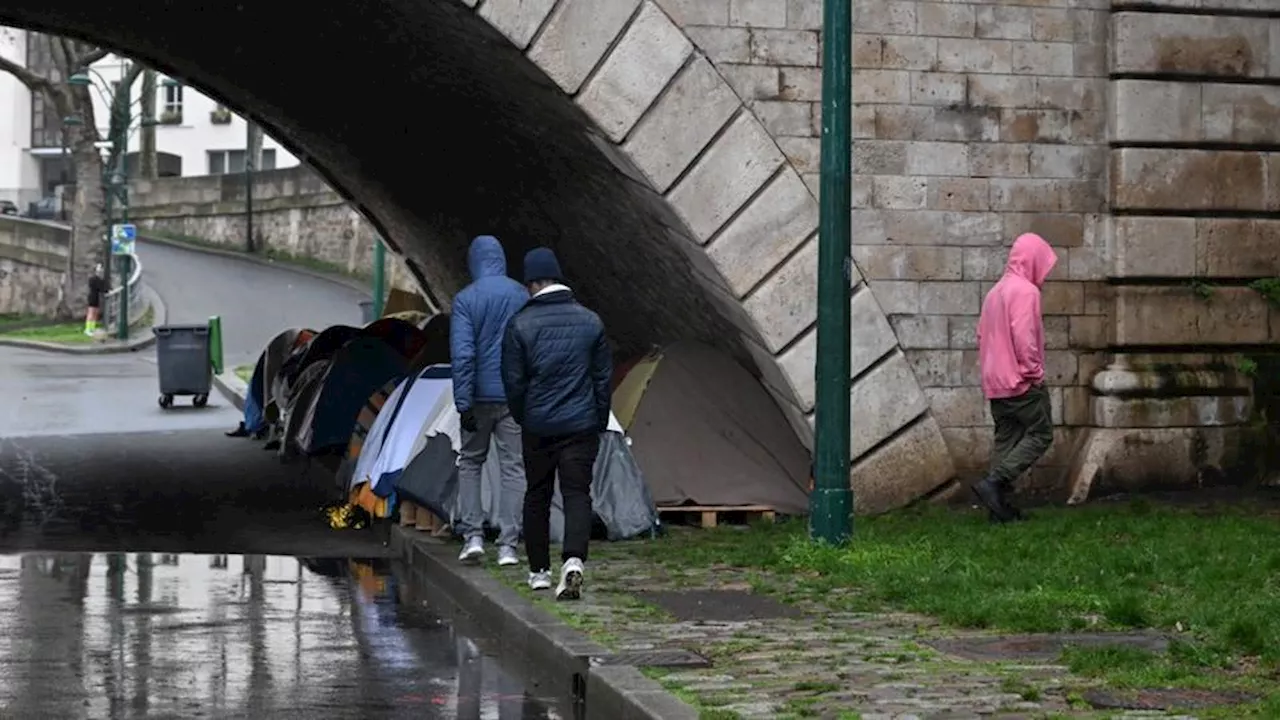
<point>123,590</point>
<point>51,394</point>
<point>255,301</point>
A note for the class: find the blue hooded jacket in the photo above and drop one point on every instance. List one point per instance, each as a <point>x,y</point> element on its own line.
<point>477,324</point>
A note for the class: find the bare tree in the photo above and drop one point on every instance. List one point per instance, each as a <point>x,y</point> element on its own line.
<point>88,235</point>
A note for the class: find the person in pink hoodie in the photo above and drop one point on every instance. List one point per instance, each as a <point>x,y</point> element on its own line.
<point>1011,358</point>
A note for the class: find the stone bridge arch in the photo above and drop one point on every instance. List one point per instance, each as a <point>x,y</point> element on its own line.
<point>595,126</point>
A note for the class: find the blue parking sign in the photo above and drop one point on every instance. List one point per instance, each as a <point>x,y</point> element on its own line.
<point>123,237</point>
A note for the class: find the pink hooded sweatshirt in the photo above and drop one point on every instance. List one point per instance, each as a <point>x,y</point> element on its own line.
<point>1010,329</point>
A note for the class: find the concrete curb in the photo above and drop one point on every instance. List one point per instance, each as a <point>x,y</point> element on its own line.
<point>232,388</point>
<point>616,692</point>
<point>613,692</point>
<point>141,340</point>
<point>349,282</point>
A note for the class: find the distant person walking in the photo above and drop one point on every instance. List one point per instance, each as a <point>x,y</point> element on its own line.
<point>1011,358</point>
<point>479,318</point>
<point>93,306</point>
<point>556,367</point>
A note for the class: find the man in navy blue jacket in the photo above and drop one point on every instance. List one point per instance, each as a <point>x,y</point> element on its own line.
<point>479,319</point>
<point>556,367</point>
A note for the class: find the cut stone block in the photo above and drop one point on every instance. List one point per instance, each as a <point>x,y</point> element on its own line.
<point>883,401</point>
<point>681,123</point>
<point>577,36</point>
<point>1179,316</point>
<point>784,215</point>
<point>1222,46</point>
<point>1165,179</point>
<point>911,465</point>
<point>649,54</point>
<point>736,165</point>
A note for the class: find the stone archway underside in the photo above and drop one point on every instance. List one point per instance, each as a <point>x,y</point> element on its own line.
<point>593,126</point>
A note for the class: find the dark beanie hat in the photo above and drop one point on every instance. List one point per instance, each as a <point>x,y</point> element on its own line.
<point>540,264</point>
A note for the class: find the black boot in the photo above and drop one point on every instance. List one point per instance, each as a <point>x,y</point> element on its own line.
<point>240,431</point>
<point>991,496</point>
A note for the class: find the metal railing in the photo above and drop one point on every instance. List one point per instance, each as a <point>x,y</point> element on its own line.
<point>137,303</point>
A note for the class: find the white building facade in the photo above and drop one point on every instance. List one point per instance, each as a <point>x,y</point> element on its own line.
<point>194,135</point>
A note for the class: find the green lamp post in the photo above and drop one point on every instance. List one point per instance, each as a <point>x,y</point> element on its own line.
<point>831,503</point>
<point>379,276</point>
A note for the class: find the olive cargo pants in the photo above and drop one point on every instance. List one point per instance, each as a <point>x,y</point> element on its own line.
<point>1023,433</point>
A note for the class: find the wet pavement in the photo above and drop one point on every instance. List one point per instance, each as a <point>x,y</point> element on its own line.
<point>178,491</point>
<point>53,394</point>
<point>216,636</point>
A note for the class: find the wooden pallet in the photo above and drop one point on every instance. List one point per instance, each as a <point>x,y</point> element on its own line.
<point>421,518</point>
<point>711,515</point>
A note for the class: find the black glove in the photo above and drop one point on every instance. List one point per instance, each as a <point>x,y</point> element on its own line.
<point>469,421</point>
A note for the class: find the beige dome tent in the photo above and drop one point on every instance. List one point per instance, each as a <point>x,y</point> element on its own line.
<point>705,432</point>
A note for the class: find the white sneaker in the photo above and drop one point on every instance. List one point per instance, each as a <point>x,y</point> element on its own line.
<point>472,551</point>
<point>507,556</point>
<point>570,587</point>
<point>540,580</point>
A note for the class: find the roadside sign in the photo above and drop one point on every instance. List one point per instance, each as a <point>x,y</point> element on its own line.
<point>123,237</point>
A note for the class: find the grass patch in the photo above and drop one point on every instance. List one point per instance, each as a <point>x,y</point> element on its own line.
<point>16,321</point>
<point>244,372</point>
<point>1212,578</point>
<point>70,333</point>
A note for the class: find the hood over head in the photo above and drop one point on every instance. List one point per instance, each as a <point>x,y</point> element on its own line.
<point>486,258</point>
<point>1031,258</point>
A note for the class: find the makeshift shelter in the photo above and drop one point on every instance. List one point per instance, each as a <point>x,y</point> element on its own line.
<point>435,351</point>
<point>354,372</point>
<point>411,451</point>
<point>319,347</point>
<point>707,433</point>
<point>403,337</point>
<point>259,407</point>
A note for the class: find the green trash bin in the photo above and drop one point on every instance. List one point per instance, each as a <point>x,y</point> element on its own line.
<point>182,358</point>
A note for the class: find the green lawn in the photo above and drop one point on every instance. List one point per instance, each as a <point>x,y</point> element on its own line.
<point>1211,577</point>
<point>71,333</point>
<point>8,320</point>
<point>244,372</point>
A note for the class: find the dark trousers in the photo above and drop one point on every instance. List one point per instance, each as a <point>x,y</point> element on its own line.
<point>573,456</point>
<point>1024,432</point>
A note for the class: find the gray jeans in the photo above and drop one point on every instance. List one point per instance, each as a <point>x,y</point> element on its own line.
<point>493,422</point>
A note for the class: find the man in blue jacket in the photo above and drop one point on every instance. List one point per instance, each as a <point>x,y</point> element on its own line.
<point>479,319</point>
<point>556,367</point>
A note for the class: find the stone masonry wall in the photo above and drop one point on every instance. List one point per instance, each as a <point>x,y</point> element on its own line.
<point>295,213</point>
<point>974,122</point>
<point>33,259</point>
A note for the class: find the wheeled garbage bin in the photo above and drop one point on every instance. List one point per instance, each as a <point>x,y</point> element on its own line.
<point>182,355</point>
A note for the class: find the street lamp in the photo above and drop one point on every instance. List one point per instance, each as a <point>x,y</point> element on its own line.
<point>831,503</point>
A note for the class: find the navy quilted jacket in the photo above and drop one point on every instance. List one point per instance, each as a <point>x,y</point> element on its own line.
<point>556,366</point>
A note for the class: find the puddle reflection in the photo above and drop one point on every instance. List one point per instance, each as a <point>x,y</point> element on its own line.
<point>146,635</point>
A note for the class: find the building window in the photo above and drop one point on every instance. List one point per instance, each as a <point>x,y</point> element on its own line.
<point>222,162</point>
<point>173,99</point>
